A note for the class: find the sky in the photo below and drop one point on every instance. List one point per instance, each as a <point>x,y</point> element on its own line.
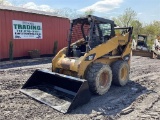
<point>147,10</point>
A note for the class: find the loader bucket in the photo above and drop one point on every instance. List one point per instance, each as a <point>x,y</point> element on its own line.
<point>142,53</point>
<point>61,92</point>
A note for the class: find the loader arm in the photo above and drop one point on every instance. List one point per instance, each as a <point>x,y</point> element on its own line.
<point>109,46</point>
<point>60,54</point>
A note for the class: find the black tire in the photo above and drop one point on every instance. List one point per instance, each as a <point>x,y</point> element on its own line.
<point>95,74</point>
<point>120,71</point>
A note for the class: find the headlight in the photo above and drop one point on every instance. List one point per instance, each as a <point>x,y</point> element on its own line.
<point>126,58</point>
<point>90,57</point>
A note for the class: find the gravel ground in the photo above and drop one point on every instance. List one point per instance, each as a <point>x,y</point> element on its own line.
<point>139,99</point>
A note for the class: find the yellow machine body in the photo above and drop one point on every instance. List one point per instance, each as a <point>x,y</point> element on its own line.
<point>77,66</point>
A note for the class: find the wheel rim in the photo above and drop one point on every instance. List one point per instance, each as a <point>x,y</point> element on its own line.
<point>124,73</point>
<point>104,79</point>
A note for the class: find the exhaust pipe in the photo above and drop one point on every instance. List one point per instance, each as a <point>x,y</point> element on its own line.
<point>61,92</point>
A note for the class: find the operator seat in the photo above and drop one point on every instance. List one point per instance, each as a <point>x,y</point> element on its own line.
<point>95,38</point>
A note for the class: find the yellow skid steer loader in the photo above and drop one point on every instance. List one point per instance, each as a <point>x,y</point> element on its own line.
<point>88,65</point>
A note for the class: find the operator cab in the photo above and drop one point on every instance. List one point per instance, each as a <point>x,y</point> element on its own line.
<point>142,39</point>
<point>93,30</point>
<point>142,42</point>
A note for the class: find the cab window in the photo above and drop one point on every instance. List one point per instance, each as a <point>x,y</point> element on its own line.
<point>106,29</point>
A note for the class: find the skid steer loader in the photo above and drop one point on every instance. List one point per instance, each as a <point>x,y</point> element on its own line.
<point>141,48</point>
<point>87,65</point>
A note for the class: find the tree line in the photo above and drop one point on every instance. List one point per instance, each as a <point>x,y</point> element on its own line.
<point>129,18</point>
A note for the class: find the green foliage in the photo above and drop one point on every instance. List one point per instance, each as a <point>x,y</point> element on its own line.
<point>152,28</point>
<point>89,12</point>
<point>129,18</point>
<point>137,27</point>
<point>11,50</point>
<point>55,47</point>
<point>133,37</point>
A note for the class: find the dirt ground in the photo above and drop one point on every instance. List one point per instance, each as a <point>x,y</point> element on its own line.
<point>139,99</point>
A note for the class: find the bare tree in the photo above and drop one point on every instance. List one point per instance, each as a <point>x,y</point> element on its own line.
<point>126,18</point>
<point>4,2</point>
<point>67,12</point>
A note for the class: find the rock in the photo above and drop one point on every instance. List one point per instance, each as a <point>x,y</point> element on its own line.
<point>157,110</point>
<point>99,113</point>
<point>100,117</point>
<point>154,114</point>
<point>93,111</point>
<point>126,111</point>
<point>93,114</point>
<point>156,117</point>
<point>145,116</point>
